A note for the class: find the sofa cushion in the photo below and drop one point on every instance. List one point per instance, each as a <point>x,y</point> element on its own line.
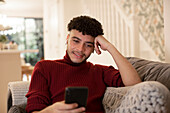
<point>152,70</point>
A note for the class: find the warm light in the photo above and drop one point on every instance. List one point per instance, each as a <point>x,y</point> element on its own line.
<point>2,2</point>
<point>2,19</point>
<point>10,25</point>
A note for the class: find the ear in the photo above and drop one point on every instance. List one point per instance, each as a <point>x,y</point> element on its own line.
<point>67,38</point>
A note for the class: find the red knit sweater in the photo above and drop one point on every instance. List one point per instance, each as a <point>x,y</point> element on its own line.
<point>50,78</point>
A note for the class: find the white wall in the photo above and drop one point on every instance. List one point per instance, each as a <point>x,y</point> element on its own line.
<point>57,14</point>
<point>167,29</point>
<point>22,8</point>
<point>21,13</point>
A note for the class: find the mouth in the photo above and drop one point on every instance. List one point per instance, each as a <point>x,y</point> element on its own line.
<point>78,54</point>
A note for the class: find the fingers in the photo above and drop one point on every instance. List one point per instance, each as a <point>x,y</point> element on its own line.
<point>61,107</point>
<point>96,45</point>
<point>103,43</point>
<point>77,110</point>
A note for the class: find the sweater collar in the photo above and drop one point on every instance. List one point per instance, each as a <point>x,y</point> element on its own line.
<point>68,61</point>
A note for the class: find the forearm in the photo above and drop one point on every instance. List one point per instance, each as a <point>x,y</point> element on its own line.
<point>127,71</point>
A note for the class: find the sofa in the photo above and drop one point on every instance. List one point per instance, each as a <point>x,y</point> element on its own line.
<point>150,96</point>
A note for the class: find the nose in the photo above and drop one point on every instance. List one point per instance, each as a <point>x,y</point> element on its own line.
<point>81,48</point>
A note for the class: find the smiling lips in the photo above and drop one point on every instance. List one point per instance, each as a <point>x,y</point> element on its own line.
<point>78,54</point>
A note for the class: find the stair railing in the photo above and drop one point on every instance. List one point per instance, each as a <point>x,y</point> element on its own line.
<point>120,29</point>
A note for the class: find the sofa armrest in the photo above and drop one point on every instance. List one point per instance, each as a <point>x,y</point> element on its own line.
<point>16,93</point>
<point>18,108</point>
<point>148,96</point>
<point>151,70</point>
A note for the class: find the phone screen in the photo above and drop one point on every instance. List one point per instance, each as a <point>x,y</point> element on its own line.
<point>77,95</point>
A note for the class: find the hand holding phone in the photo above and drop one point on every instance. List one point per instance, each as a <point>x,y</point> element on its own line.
<point>77,95</point>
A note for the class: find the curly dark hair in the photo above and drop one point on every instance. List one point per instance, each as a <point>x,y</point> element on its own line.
<point>86,25</point>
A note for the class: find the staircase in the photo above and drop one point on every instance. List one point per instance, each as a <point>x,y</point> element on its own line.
<point>120,29</point>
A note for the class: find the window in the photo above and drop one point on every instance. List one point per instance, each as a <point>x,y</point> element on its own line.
<point>28,34</point>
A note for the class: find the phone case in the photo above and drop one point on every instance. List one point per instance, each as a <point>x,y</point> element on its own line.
<point>77,95</point>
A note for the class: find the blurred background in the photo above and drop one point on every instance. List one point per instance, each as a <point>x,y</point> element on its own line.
<point>42,25</point>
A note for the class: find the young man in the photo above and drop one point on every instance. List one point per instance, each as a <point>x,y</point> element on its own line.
<point>50,78</point>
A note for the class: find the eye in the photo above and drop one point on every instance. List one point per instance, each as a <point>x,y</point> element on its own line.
<point>89,45</point>
<point>76,41</point>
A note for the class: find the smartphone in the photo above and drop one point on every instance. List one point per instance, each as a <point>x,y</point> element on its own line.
<point>77,95</point>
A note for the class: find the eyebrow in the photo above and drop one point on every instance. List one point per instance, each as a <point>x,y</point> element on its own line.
<point>76,38</point>
<point>80,40</point>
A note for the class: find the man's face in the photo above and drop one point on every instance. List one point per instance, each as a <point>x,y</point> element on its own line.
<point>79,46</point>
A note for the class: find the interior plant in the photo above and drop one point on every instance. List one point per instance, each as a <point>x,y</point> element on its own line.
<point>3,38</point>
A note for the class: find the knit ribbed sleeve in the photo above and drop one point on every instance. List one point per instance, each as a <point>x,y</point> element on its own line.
<point>38,94</point>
